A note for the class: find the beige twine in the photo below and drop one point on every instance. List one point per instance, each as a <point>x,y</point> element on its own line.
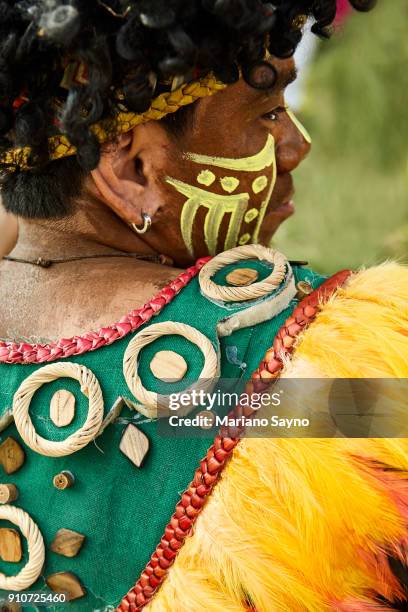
<point>36,550</point>
<point>251,292</point>
<point>152,402</point>
<point>89,387</point>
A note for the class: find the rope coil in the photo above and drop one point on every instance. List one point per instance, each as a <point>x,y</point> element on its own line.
<point>36,550</point>
<point>238,294</point>
<point>90,388</point>
<point>153,403</point>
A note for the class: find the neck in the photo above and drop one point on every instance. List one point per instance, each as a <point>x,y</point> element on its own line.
<point>92,228</point>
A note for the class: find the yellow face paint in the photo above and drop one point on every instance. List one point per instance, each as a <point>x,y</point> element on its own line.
<point>245,238</point>
<point>220,205</point>
<point>259,184</point>
<point>251,215</point>
<point>217,206</point>
<point>206,177</point>
<point>256,163</point>
<point>299,126</point>
<point>229,183</point>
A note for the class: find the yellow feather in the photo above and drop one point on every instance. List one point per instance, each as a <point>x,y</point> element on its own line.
<point>292,522</point>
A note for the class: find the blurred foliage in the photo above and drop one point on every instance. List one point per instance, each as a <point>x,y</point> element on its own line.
<point>352,191</point>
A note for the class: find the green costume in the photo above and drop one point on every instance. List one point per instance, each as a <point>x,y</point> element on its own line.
<point>120,508</point>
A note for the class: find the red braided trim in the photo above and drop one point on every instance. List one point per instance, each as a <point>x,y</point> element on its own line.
<point>207,475</point>
<point>13,352</point>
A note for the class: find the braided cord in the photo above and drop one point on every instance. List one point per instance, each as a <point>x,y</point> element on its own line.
<point>36,550</point>
<point>207,475</point>
<point>165,104</point>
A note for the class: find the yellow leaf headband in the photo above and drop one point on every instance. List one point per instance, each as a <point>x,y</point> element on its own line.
<point>164,104</point>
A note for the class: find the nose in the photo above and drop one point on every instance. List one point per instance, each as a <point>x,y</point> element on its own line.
<point>293,144</point>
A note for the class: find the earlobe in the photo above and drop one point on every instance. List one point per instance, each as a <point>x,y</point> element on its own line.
<point>121,181</point>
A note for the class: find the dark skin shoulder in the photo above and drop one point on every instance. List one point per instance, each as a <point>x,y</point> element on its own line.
<point>73,298</point>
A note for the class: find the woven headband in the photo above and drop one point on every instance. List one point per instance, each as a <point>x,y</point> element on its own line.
<point>169,102</point>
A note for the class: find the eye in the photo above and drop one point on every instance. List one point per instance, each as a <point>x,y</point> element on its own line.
<point>274,114</point>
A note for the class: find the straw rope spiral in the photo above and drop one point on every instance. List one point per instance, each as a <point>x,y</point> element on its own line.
<point>36,550</point>
<point>153,402</point>
<point>90,388</point>
<point>256,290</point>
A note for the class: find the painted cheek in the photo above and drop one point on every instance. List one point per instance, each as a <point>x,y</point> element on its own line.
<point>230,219</point>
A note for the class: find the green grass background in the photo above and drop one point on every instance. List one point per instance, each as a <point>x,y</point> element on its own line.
<point>352,191</point>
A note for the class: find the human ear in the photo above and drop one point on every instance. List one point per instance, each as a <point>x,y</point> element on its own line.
<point>125,176</point>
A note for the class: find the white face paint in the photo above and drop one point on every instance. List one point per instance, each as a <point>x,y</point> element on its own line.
<point>235,205</point>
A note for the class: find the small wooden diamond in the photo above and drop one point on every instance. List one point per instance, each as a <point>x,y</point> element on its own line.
<point>168,365</point>
<point>134,445</point>
<point>67,543</point>
<point>62,408</point>
<point>12,456</point>
<point>240,277</point>
<point>10,545</point>
<point>66,582</point>
<point>8,493</point>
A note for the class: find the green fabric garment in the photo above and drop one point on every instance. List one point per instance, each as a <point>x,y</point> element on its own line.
<point>122,510</point>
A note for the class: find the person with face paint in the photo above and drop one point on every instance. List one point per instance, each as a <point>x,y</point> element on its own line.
<point>147,151</point>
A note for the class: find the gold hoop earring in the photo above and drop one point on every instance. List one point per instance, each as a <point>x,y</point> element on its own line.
<point>147,222</point>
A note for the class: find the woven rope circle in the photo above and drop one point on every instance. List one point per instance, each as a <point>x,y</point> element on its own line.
<point>251,292</point>
<point>80,438</point>
<point>152,402</point>
<point>36,550</point>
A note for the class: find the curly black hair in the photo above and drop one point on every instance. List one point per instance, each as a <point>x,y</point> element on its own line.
<point>131,46</point>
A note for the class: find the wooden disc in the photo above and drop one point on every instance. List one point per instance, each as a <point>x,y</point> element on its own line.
<point>168,366</point>
<point>66,582</point>
<point>8,493</point>
<point>134,445</point>
<point>62,408</point>
<point>12,456</point>
<point>240,277</point>
<point>10,545</point>
<point>67,542</point>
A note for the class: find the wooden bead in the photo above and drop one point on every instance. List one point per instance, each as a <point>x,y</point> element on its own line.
<point>10,606</point>
<point>303,289</point>
<point>134,445</point>
<point>10,545</point>
<point>168,365</point>
<point>67,543</point>
<point>63,480</point>
<point>240,277</point>
<point>12,456</point>
<point>8,493</point>
<point>62,408</point>
<point>66,582</point>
